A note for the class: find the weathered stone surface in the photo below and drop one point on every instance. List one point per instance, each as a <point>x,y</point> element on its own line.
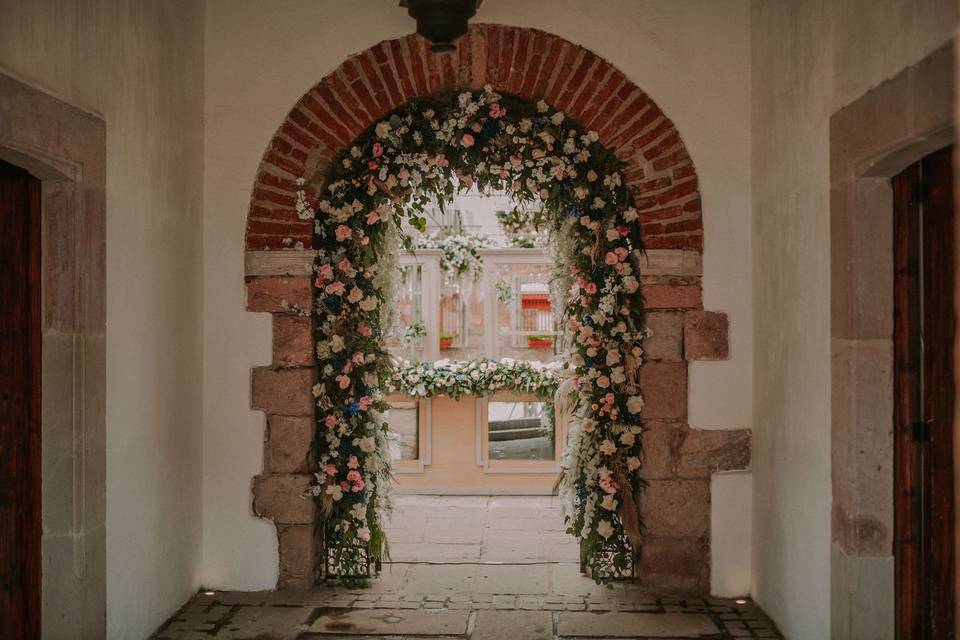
<point>514,580</point>
<point>279,497</point>
<point>862,451</point>
<point>264,623</point>
<point>633,625</point>
<point>680,565</point>
<point>677,508</point>
<point>287,448</point>
<point>705,335</point>
<point>289,262</point>
<point>269,293</point>
<point>704,452</point>
<point>660,443</point>
<point>861,288</point>
<point>394,622</point>
<point>666,340</point>
<point>664,388</point>
<point>298,556</point>
<point>672,296</point>
<point>292,340</point>
<point>525,625</point>
<point>282,391</point>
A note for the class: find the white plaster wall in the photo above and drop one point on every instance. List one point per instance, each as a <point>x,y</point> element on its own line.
<point>809,59</point>
<point>693,58</point>
<point>138,66</point>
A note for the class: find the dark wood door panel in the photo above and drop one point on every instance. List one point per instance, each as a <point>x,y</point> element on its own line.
<point>20,527</point>
<point>924,332</point>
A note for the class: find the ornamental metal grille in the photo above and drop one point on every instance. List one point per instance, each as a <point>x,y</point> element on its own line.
<point>616,560</point>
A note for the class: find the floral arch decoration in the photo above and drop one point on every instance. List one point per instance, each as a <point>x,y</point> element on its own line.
<point>427,149</point>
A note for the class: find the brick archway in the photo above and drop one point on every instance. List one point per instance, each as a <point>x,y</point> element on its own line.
<point>527,62</point>
<point>532,64</point>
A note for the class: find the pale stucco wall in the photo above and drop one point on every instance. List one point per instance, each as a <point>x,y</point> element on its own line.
<point>692,58</point>
<point>809,59</point>
<point>138,66</point>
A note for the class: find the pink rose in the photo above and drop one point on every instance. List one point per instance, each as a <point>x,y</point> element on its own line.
<point>353,475</point>
<point>372,165</point>
<point>373,217</point>
<point>496,111</point>
<point>335,288</point>
<point>343,381</point>
<point>344,486</point>
<point>611,258</point>
<point>365,402</point>
<point>344,265</point>
<point>353,463</point>
<point>364,240</point>
<point>326,271</point>
<point>330,469</point>
<point>467,140</point>
<point>591,288</point>
<point>358,486</point>
<point>330,422</point>
<point>343,232</point>
<point>377,149</point>
<point>364,329</point>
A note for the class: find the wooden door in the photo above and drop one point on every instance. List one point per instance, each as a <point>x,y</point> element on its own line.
<point>924,329</point>
<point>19,403</point>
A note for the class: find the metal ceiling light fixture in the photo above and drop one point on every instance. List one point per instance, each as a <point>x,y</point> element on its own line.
<point>441,21</point>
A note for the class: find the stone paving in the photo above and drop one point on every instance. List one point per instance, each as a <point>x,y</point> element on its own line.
<point>493,591</point>
<point>479,529</point>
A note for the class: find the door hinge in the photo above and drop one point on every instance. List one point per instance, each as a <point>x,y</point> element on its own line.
<point>919,192</point>
<point>920,431</point>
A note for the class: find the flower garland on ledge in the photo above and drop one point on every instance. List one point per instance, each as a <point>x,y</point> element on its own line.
<point>481,377</point>
<point>424,152</point>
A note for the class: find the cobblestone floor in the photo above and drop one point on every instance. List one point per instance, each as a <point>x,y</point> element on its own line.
<point>493,578</point>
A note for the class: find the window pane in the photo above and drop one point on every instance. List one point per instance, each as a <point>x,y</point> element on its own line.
<point>409,311</point>
<point>404,419</point>
<point>526,329</point>
<point>516,431</point>
<point>461,319</point>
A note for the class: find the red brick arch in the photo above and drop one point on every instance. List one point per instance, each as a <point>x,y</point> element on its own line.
<point>526,62</point>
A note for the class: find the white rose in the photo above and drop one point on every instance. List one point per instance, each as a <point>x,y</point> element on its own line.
<point>635,404</point>
<point>609,502</point>
<point>605,529</point>
<point>633,463</point>
<point>608,448</point>
<point>367,444</point>
<point>627,438</point>
<point>613,357</point>
<point>334,491</point>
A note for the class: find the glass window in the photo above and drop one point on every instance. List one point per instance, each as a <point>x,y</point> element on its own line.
<point>525,324</point>
<point>404,419</point>
<point>461,319</point>
<point>404,341</point>
<point>516,431</point>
